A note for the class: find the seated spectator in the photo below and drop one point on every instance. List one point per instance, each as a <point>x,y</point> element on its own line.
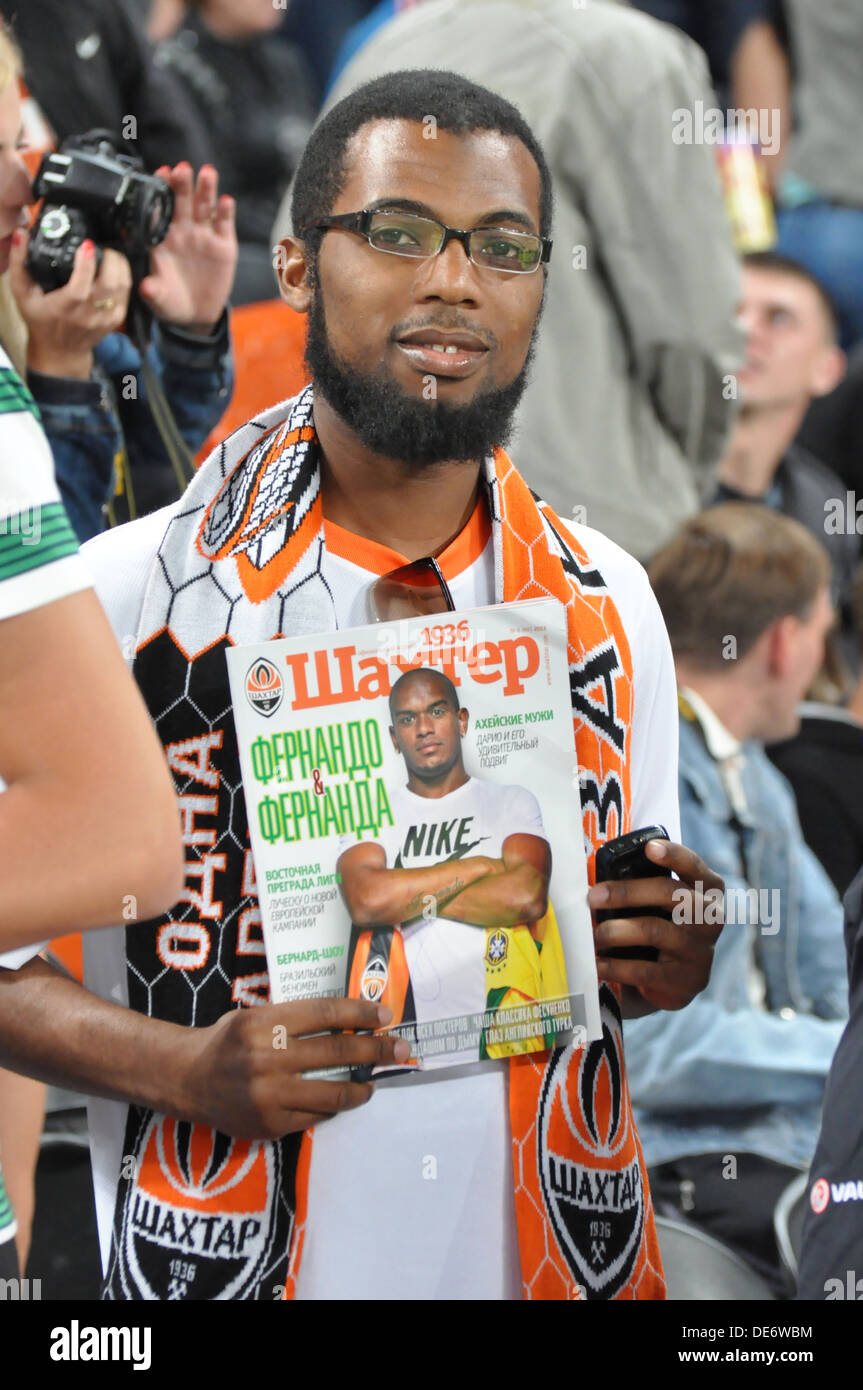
<point>820,192</point>
<point>728,1091</point>
<point>626,413</point>
<point>833,1228</point>
<point>791,357</point>
<point>824,764</point>
<point>258,103</point>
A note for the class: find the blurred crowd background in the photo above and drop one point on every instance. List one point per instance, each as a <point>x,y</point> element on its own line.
<point>697,395</point>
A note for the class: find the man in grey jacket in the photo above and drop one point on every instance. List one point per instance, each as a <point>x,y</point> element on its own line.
<point>631,396</point>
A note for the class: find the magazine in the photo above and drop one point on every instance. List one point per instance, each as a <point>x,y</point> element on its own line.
<point>415,821</point>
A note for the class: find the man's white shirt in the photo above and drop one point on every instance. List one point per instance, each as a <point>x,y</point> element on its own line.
<point>411,1196</point>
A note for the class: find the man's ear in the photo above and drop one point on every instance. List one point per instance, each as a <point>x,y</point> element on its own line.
<point>463,721</point>
<point>829,371</point>
<point>292,273</point>
<point>777,640</point>
<point>395,741</point>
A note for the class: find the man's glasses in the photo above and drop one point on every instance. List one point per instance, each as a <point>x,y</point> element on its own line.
<point>414,590</point>
<point>408,234</point>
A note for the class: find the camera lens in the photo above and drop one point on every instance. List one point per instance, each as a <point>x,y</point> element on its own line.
<point>157,208</point>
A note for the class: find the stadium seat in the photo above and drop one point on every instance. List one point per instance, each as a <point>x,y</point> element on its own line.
<point>269,341</point>
<point>788,1221</point>
<point>699,1269</point>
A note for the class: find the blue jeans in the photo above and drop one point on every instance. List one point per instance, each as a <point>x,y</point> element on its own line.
<point>828,240</point>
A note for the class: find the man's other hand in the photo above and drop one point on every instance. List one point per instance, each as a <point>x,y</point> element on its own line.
<point>245,1077</point>
<point>685,945</point>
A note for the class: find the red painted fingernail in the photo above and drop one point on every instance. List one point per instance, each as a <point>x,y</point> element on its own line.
<point>88,247</point>
<point>17,237</point>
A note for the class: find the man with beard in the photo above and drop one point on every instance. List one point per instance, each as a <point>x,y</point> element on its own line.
<point>422,212</point>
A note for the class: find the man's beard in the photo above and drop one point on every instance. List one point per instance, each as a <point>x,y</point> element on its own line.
<point>413,430</point>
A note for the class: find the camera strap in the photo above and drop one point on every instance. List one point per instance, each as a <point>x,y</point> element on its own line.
<point>182,462</point>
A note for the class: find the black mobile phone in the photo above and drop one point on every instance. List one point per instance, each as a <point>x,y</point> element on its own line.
<point>625,858</point>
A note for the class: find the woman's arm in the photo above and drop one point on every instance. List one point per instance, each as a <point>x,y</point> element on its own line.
<point>89,832</point>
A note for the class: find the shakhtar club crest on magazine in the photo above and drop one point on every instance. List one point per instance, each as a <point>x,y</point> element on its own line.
<point>264,687</point>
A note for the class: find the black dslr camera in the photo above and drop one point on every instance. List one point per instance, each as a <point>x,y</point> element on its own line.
<point>91,190</point>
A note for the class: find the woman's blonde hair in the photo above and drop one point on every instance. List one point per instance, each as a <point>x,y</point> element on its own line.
<point>11,65</point>
<point>13,330</point>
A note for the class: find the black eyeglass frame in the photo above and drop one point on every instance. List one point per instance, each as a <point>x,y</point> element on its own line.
<point>361,222</point>
<point>392,576</point>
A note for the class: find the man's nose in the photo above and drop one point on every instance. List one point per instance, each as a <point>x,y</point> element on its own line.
<point>450,275</point>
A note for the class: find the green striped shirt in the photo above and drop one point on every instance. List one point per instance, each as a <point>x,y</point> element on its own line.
<point>34,537</point>
<point>38,548</point>
<point>7,1216</point>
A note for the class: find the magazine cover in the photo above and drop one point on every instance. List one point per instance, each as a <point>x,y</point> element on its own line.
<point>412,795</point>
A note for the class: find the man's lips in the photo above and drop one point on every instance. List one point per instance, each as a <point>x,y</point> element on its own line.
<point>441,353</point>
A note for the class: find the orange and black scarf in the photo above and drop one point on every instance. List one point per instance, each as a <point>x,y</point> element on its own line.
<point>200,1215</point>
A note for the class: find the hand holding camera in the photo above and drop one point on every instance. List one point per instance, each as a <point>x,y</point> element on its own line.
<point>106,228</point>
<point>192,269</point>
<point>64,326</point>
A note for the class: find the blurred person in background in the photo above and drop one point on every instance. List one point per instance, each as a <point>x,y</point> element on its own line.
<point>258,103</point>
<point>728,1091</point>
<point>89,64</point>
<point>84,373</point>
<point>625,417</point>
<point>792,357</point>
<point>820,192</point>
<point>824,764</point>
